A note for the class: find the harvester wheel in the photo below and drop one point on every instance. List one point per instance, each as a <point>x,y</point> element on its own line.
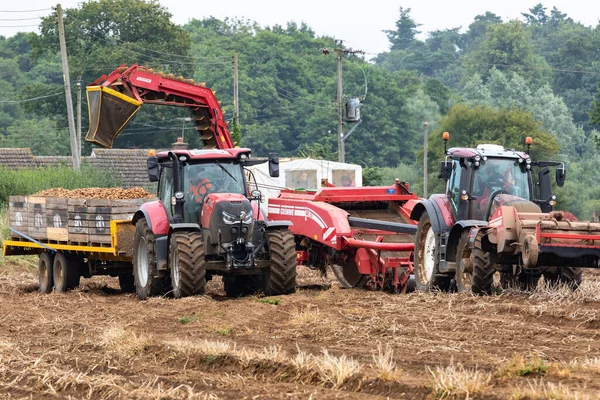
<point>464,264</point>
<point>530,251</point>
<point>187,263</point>
<point>242,285</point>
<point>483,269</point>
<point>65,273</point>
<point>570,276</point>
<point>282,274</point>
<point>146,284</point>
<point>426,261</point>
<point>45,274</point>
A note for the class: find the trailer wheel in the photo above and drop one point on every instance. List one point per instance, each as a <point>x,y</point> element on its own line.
<point>281,277</point>
<point>464,264</point>
<point>127,283</point>
<point>426,261</point>
<point>187,263</point>
<point>65,273</point>
<point>483,269</point>
<point>45,272</point>
<point>570,276</point>
<point>146,284</point>
<point>243,285</point>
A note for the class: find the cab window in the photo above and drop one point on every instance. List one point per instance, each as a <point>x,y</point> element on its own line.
<point>454,185</point>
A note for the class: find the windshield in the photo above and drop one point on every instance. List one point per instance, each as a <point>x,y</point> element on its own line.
<point>506,175</point>
<point>220,177</point>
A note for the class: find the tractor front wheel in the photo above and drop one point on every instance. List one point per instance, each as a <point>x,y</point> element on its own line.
<point>464,264</point>
<point>282,252</point>
<point>483,269</point>
<point>187,263</point>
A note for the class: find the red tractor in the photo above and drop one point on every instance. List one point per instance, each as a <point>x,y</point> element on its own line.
<point>206,222</point>
<point>496,220</point>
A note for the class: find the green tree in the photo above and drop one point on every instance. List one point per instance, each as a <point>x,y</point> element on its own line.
<point>406,30</point>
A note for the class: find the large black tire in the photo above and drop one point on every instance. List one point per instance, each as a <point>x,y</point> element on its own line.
<point>242,285</point>
<point>146,284</point>
<point>187,264</point>
<point>45,272</point>
<point>127,283</point>
<point>65,273</point>
<point>483,269</point>
<point>570,276</point>
<point>281,277</point>
<point>464,271</point>
<point>426,258</point>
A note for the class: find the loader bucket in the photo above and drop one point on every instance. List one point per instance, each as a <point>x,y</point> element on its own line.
<point>109,112</point>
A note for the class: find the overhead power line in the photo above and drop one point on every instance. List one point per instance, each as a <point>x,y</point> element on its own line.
<point>31,99</point>
<point>25,11</point>
<point>19,19</point>
<point>17,26</point>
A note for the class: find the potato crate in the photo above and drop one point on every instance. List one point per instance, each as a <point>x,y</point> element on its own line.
<point>37,218</point>
<point>18,216</point>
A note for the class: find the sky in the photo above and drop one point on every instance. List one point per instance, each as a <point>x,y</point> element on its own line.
<point>360,24</point>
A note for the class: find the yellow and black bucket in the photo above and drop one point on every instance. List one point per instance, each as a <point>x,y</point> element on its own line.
<point>109,112</point>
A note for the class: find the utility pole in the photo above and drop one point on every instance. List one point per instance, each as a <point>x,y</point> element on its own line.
<point>66,78</point>
<point>341,150</point>
<point>236,100</point>
<point>339,51</point>
<point>425,137</point>
<point>79,117</point>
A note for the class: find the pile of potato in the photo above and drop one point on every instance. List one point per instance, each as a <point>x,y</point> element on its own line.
<point>96,193</point>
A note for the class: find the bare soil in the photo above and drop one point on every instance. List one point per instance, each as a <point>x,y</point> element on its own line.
<point>96,342</point>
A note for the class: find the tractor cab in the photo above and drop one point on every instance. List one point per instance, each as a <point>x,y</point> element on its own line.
<point>478,176</point>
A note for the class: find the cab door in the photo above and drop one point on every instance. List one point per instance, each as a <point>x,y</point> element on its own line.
<point>458,183</point>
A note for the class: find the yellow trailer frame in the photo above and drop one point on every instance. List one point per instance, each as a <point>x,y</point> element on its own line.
<point>17,247</point>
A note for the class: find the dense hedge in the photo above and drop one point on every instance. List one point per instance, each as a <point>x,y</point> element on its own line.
<point>27,181</point>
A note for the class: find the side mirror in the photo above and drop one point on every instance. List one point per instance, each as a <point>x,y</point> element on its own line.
<point>256,194</point>
<point>445,170</point>
<point>274,165</point>
<point>153,173</point>
<point>561,175</point>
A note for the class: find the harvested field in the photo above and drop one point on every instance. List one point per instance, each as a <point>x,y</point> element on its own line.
<point>321,343</point>
<point>96,193</point>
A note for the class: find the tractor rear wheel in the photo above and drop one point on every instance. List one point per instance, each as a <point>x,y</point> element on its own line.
<point>483,269</point>
<point>127,283</point>
<point>187,263</point>
<point>426,258</point>
<point>45,274</point>
<point>464,264</point>
<point>146,284</point>
<point>570,276</point>
<point>282,252</point>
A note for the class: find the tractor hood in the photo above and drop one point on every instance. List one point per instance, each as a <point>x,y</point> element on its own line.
<point>520,204</point>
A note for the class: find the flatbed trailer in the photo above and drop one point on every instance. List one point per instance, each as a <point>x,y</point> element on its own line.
<point>74,238</point>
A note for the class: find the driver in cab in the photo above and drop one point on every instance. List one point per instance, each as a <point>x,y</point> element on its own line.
<point>492,179</point>
<point>200,185</point>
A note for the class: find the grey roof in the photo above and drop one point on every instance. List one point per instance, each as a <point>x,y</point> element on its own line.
<point>128,165</point>
<point>52,161</point>
<point>16,158</point>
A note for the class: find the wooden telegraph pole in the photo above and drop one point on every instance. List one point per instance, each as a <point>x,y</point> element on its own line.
<point>425,145</point>
<point>67,79</point>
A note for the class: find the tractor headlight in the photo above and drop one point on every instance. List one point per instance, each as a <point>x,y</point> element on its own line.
<point>247,219</point>
<point>228,218</point>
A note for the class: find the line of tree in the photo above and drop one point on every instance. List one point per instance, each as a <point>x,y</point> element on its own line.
<point>495,81</point>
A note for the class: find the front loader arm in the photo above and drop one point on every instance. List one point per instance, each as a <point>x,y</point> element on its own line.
<point>114,99</point>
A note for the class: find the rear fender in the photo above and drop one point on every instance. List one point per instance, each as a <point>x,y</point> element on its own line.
<point>437,215</point>
<point>156,216</point>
